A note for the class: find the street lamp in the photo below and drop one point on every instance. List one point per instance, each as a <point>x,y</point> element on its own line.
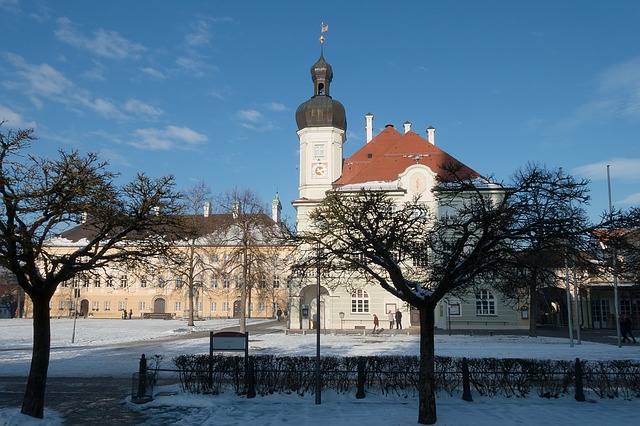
<point>318,376</point>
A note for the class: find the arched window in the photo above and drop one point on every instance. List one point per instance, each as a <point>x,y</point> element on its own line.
<point>359,301</point>
<point>485,303</point>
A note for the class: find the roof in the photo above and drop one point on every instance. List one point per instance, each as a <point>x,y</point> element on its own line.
<point>204,225</point>
<point>390,153</point>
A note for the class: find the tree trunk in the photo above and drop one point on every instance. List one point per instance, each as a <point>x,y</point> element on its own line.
<point>33,401</point>
<point>427,382</point>
<point>534,304</point>
<point>190,303</point>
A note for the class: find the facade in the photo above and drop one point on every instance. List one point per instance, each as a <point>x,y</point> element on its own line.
<point>214,265</point>
<point>403,165</point>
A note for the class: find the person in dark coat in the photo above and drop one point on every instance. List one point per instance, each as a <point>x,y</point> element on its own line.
<point>398,319</point>
<point>626,324</point>
<point>376,322</point>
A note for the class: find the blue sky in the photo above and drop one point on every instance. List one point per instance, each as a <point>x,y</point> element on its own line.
<point>208,90</point>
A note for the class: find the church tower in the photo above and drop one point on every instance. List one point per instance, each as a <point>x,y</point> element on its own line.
<point>322,127</point>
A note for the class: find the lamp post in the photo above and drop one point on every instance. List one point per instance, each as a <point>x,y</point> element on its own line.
<point>318,375</point>
<point>616,301</point>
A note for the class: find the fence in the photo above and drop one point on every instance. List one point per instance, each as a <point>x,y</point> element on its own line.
<point>399,376</point>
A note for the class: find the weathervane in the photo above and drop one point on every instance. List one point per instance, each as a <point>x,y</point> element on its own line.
<point>323,29</point>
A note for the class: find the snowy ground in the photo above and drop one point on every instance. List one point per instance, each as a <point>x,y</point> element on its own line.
<point>113,347</point>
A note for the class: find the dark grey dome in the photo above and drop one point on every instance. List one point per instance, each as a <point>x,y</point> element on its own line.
<point>321,110</point>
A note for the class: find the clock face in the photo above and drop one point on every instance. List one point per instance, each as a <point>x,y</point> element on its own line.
<point>319,170</point>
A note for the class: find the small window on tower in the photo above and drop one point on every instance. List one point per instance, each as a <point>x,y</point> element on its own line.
<point>319,150</point>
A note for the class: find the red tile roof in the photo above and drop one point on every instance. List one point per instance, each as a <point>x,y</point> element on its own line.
<point>391,153</point>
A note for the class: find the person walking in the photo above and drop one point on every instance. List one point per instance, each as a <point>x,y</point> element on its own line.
<point>398,319</point>
<point>392,317</point>
<point>626,324</point>
<point>376,322</point>
<point>279,314</point>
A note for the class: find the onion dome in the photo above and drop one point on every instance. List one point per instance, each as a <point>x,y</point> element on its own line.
<point>321,110</point>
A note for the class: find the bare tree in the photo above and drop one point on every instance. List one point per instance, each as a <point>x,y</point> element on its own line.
<point>43,197</point>
<point>247,234</point>
<point>421,255</point>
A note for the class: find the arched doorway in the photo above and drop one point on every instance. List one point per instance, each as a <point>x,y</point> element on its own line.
<point>159,306</point>
<point>309,299</point>
<point>236,309</point>
<point>84,307</point>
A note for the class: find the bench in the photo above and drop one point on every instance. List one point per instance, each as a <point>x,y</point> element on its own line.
<point>360,327</point>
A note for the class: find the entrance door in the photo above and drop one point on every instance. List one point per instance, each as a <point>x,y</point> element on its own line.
<point>84,307</point>
<point>159,306</point>
<point>236,309</point>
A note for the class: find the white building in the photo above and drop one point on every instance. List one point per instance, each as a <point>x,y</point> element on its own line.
<point>403,164</point>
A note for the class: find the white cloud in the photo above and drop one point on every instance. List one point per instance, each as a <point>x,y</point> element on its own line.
<point>200,35</point>
<point>108,44</point>
<point>153,73</point>
<point>276,106</point>
<point>171,137</point>
<point>250,115</point>
<point>631,200</point>
<point>13,119</point>
<point>619,168</point>
<point>140,108</point>
<point>43,79</point>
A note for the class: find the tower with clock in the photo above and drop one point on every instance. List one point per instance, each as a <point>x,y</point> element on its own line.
<point>322,126</point>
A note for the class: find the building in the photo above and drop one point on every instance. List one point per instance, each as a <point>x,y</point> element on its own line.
<point>213,262</point>
<point>403,165</point>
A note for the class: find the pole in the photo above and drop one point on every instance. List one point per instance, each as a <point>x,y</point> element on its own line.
<point>614,263</point>
<point>318,377</point>
<point>75,315</point>
<point>576,301</point>
<point>569,312</point>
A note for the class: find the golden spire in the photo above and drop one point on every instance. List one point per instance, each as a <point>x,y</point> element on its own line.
<point>323,29</point>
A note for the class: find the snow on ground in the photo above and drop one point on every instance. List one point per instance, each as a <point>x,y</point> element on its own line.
<point>113,348</point>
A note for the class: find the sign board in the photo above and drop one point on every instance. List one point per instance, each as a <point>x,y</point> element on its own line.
<point>229,341</point>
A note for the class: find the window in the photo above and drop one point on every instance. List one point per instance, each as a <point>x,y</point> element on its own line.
<point>96,305</point>
<point>318,150</point>
<point>419,255</point>
<point>161,282</point>
<point>141,306</point>
<point>123,282</point>
<point>485,303</point>
<point>261,307</point>
<point>62,305</point>
<point>96,282</point>
<point>75,282</point>
<point>251,307</point>
<point>276,281</point>
<point>143,282</point>
<point>214,306</point>
<point>85,282</point>
<point>177,307</point>
<point>199,307</point>
<point>107,305</point>
<point>214,282</point>
<point>225,306</point>
<point>122,306</point>
<point>64,284</point>
<point>360,301</point>
<point>226,281</point>
<point>262,282</point>
<point>178,282</point>
<point>214,258</point>
<point>238,281</point>
<point>109,282</point>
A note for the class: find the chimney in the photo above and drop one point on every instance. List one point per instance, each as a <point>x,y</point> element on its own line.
<point>431,134</point>
<point>206,208</point>
<point>369,126</point>
<point>276,209</point>
<point>236,209</point>
<point>407,126</point>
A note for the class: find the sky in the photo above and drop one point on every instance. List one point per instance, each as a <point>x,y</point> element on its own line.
<point>207,91</point>
<point>112,348</point>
